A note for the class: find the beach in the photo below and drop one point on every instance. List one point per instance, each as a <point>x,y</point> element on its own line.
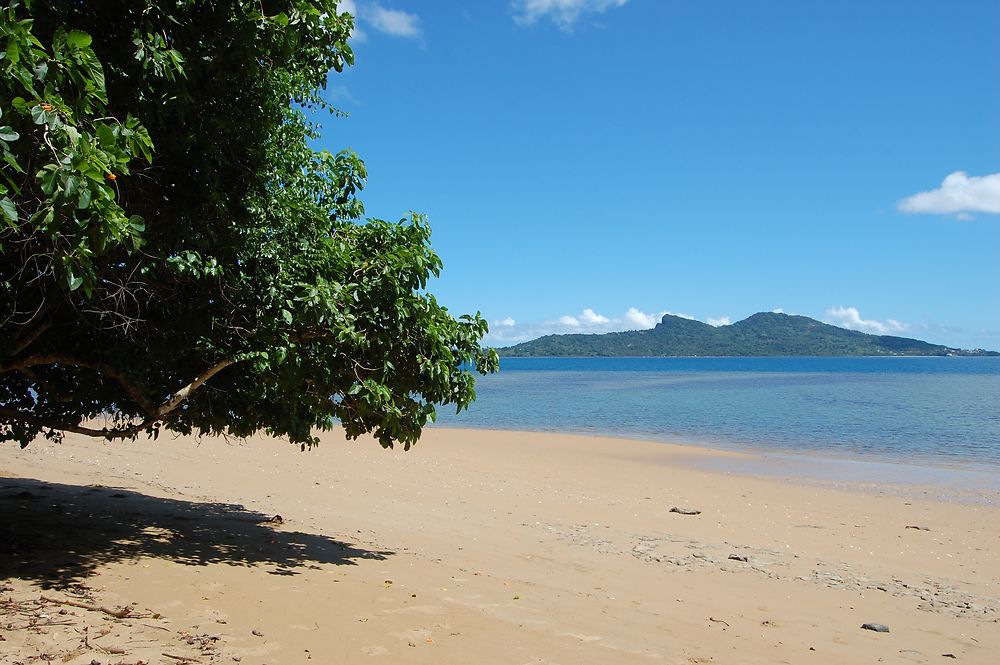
<point>478,546</point>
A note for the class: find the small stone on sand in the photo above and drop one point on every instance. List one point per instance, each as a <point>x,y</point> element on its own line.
<point>877,627</point>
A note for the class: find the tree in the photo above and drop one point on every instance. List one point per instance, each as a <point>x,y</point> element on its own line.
<point>174,254</point>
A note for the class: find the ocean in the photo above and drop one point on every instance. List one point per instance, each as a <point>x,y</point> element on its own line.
<point>932,411</point>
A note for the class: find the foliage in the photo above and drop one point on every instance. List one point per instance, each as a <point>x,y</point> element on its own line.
<point>763,334</point>
<point>175,255</point>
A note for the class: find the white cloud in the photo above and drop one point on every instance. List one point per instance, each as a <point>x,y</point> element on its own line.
<point>777,310</point>
<point>959,193</point>
<point>721,321</point>
<point>564,13</point>
<point>507,331</point>
<point>640,320</point>
<point>850,318</point>
<point>592,318</point>
<point>393,22</point>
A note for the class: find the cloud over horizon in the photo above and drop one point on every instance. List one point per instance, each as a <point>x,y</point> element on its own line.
<point>850,318</point>
<point>564,13</point>
<point>960,194</point>
<point>507,331</point>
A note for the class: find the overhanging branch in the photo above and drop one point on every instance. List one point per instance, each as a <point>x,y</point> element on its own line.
<point>155,412</point>
<point>104,433</point>
<point>179,396</point>
<point>130,388</point>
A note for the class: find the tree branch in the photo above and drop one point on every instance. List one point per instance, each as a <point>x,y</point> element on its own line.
<point>179,396</point>
<point>103,369</point>
<point>104,432</point>
<point>155,412</point>
<point>32,336</point>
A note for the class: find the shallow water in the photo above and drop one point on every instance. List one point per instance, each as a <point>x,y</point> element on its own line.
<point>923,411</point>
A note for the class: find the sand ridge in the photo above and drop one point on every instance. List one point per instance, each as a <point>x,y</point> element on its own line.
<point>476,546</point>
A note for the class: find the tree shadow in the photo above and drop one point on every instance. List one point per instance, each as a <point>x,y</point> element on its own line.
<point>56,535</point>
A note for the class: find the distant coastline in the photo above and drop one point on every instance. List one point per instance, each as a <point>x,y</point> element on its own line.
<point>765,334</point>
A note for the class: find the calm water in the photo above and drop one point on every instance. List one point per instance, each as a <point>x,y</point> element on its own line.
<point>916,410</point>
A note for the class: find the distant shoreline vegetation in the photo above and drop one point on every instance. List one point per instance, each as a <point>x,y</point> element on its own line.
<point>762,334</point>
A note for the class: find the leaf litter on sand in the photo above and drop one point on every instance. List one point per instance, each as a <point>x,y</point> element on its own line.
<point>76,626</point>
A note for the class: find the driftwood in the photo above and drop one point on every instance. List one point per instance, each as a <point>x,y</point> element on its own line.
<point>118,614</point>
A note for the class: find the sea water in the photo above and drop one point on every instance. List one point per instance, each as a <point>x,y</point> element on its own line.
<point>935,411</point>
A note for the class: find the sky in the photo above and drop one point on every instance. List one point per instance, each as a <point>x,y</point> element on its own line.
<point>589,165</point>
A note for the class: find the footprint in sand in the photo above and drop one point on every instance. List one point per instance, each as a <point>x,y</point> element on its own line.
<point>375,651</point>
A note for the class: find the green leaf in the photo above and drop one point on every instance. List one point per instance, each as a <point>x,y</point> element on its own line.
<point>7,133</point>
<point>48,179</point>
<point>136,223</point>
<point>10,159</point>
<point>105,135</point>
<point>69,186</point>
<point>78,39</point>
<point>83,201</point>
<point>13,52</point>
<point>287,316</point>
<point>39,115</point>
<point>9,211</point>
<point>73,281</point>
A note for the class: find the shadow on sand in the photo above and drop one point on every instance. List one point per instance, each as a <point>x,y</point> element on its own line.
<point>56,535</point>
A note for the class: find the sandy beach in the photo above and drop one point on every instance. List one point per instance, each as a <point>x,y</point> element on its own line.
<point>476,547</point>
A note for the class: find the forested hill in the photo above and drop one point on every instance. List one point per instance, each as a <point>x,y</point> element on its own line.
<point>763,334</point>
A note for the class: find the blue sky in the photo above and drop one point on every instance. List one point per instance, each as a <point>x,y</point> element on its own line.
<point>588,165</point>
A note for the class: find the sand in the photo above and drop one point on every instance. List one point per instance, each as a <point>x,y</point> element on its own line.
<point>476,547</point>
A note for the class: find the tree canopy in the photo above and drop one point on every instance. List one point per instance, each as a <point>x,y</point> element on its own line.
<point>174,253</point>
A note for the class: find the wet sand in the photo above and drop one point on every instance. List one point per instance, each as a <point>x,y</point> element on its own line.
<point>478,546</point>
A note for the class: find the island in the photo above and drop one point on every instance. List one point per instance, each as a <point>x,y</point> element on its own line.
<point>763,334</point>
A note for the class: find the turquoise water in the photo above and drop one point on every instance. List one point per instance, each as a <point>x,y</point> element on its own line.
<point>915,410</point>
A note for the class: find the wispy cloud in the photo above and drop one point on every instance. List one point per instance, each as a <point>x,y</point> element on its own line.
<point>960,194</point>
<point>339,94</point>
<point>564,13</point>
<point>850,318</point>
<point>393,22</point>
<point>721,321</point>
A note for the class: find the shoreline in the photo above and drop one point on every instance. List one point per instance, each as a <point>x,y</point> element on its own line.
<point>480,546</point>
<point>981,478</point>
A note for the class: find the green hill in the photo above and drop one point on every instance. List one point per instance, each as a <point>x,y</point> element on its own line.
<point>763,334</point>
